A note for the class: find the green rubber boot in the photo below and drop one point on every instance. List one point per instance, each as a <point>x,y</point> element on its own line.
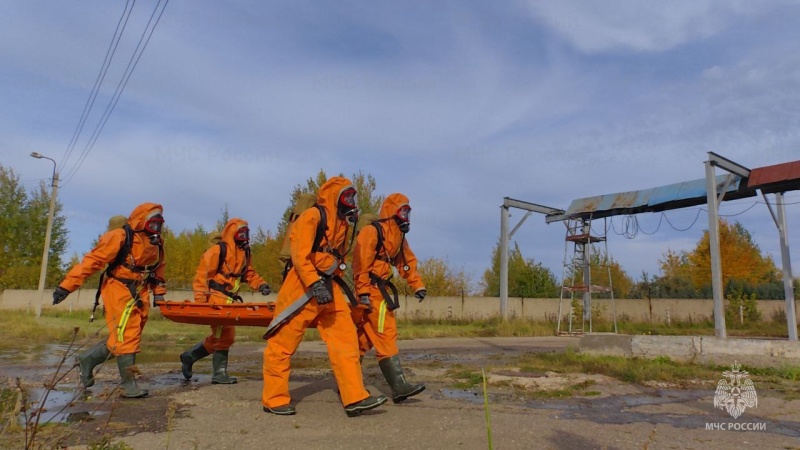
<point>189,357</point>
<point>90,359</point>
<point>220,375</point>
<point>393,372</point>
<point>355,409</point>
<point>126,364</point>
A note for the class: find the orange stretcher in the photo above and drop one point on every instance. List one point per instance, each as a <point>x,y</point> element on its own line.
<point>238,314</point>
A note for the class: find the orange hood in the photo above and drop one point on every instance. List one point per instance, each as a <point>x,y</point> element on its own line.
<point>229,231</point>
<point>392,203</point>
<point>328,196</point>
<point>139,215</point>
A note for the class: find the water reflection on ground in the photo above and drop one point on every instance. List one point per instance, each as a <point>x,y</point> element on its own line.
<point>38,366</point>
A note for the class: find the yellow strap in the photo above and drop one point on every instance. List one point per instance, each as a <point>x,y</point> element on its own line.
<point>235,289</point>
<point>126,314</point>
<point>217,331</point>
<point>381,316</point>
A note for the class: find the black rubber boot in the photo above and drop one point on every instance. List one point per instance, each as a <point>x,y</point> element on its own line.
<point>355,409</point>
<point>89,359</point>
<point>286,410</point>
<point>190,357</point>
<point>125,364</point>
<point>393,372</point>
<point>220,375</point>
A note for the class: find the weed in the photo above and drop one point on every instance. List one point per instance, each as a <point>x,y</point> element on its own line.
<point>465,378</point>
<point>106,444</point>
<point>486,409</point>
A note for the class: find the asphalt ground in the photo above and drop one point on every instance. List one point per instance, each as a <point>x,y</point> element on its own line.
<point>199,415</point>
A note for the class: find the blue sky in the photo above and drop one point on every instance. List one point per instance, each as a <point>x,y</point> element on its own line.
<point>457,104</point>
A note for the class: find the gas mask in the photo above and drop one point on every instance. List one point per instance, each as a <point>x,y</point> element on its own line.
<point>403,218</point>
<point>242,237</point>
<point>347,208</point>
<point>152,226</point>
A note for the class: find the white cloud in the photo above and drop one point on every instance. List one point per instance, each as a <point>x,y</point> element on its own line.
<point>632,25</point>
<point>455,104</point>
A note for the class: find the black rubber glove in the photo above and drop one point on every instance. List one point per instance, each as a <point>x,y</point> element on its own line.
<point>322,294</point>
<point>264,289</point>
<point>59,295</point>
<point>420,294</point>
<point>157,298</point>
<point>364,303</point>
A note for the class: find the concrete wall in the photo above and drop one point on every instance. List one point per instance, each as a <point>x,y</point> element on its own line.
<point>707,349</point>
<point>660,310</point>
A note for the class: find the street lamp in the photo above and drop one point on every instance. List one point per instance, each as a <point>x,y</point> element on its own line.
<point>46,254</point>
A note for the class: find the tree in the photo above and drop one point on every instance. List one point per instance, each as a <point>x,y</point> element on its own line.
<point>265,248</point>
<point>183,252</point>
<point>744,268</point>
<point>601,266</point>
<point>23,224</point>
<point>740,258</point>
<point>526,277</point>
<point>439,278</point>
<point>225,216</point>
<point>365,184</point>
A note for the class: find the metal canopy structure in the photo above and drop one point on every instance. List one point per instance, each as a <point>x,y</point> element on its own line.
<point>739,182</point>
<point>663,198</point>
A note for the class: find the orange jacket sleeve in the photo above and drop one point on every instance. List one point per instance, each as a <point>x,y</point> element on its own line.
<point>205,271</point>
<point>411,275</point>
<point>364,258</point>
<point>252,278</point>
<point>302,241</point>
<point>104,253</point>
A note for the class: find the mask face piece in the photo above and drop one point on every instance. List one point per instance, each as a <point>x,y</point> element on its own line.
<point>153,223</point>
<point>404,213</point>
<point>347,206</point>
<point>348,198</point>
<point>403,218</point>
<point>242,236</point>
<point>405,227</point>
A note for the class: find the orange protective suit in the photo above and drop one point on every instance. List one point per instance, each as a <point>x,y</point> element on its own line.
<point>125,318</point>
<point>379,327</point>
<point>332,320</point>
<point>235,269</point>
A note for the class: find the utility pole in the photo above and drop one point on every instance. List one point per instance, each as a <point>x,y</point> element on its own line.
<point>48,233</point>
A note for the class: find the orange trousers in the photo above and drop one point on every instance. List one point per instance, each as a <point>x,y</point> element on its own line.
<point>376,329</point>
<point>125,320</point>
<point>337,330</point>
<point>222,337</point>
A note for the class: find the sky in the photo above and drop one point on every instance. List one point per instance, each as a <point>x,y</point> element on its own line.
<point>456,104</point>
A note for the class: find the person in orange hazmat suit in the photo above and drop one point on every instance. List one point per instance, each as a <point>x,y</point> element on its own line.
<point>222,270</point>
<point>311,295</point>
<point>133,258</point>
<point>379,246</point>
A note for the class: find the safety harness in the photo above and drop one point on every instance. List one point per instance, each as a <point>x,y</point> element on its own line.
<point>327,277</point>
<point>122,260</point>
<point>225,289</point>
<point>392,300</point>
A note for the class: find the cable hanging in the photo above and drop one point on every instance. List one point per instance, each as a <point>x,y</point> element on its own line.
<point>120,88</point>
<point>112,49</point>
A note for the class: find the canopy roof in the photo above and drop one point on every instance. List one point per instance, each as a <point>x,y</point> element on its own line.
<point>769,179</point>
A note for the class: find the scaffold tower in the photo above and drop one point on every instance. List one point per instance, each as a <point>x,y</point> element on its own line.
<point>581,259</point>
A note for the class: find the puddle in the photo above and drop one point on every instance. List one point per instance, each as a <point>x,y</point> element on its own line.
<point>61,406</point>
<point>67,402</point>
<point>461,394</point>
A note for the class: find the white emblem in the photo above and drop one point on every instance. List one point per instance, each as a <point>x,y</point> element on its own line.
<point>737,393</point>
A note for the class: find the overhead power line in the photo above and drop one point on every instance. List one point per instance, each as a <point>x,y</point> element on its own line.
<point>134,60</point>
<point>112,49</point>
